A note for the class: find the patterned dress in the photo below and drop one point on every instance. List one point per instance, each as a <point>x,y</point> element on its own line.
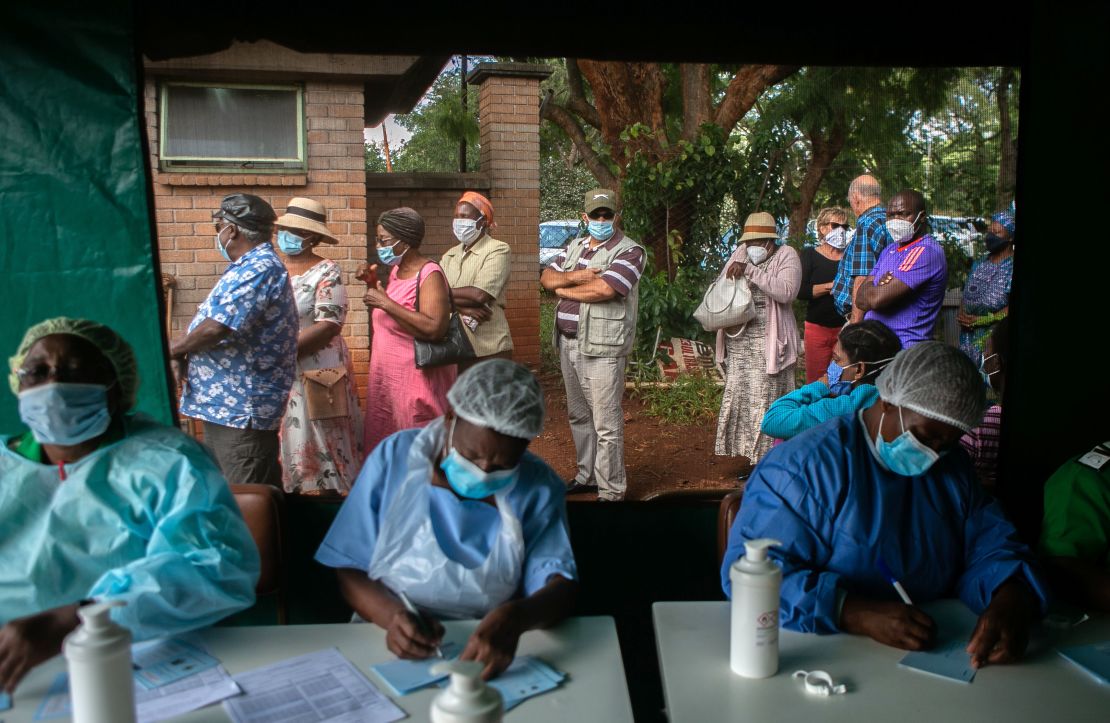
<point>322,454</point>
<point>400,396</point>
<point>749,389</point>
<point>987,291</point>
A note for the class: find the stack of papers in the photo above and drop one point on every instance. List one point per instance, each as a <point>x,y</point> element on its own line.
<point>528,676</point>
<point>949,657</point>
<point>322,686</point>
<point>1092,659</point>
<point>167,661</point>
<point>404,676</point>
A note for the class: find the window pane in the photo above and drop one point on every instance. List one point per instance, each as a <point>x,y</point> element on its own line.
<point>230,123</point>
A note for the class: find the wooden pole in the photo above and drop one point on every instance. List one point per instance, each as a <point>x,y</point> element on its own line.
<point>385,145</point>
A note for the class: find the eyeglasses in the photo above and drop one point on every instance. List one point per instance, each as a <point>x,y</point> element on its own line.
<point>42,373</point>
<point>386,241</point>
<point>844,226</point>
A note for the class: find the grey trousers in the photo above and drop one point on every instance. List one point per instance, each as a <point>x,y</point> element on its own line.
<point>245,456</point>
<point>595,387</point>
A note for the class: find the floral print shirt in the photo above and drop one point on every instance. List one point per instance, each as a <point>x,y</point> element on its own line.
<point>244,380</point>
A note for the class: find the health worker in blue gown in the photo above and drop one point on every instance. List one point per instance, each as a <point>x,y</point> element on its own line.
<point>463,521</point>
<point>890,487</point>
<point>100,504</point>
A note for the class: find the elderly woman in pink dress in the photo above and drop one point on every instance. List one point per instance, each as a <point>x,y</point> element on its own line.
<point>760,356</point>
<point>400,396</point>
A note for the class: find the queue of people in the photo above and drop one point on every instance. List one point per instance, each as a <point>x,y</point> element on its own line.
<point>451,514</point>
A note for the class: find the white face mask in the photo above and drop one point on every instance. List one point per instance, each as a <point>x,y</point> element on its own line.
<point>837,238</point>
<point>466,230</point>
<point>757,255</point>
<point>901,231</point>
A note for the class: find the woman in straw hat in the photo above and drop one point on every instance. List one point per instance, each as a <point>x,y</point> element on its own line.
<point>759,357</point>
<point>320,452</point>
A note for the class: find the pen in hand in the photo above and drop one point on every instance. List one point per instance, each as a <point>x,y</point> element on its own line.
<point>419,619</point>
<point>889,575</point>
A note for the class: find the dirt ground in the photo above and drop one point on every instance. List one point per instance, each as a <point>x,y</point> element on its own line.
<point>658,456</point>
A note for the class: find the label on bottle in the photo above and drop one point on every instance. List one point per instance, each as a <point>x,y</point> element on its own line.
<point>767,628</point>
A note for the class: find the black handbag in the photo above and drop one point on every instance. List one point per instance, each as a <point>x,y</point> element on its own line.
<point>453,348</point>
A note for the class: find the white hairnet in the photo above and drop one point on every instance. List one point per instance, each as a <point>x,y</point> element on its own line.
<point>500,395</point>
<point>937,381</point>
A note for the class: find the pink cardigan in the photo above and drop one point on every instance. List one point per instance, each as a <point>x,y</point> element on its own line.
<point>780,277</point>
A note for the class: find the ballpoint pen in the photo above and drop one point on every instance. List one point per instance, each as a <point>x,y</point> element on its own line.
<point>419,619</point>
<point>886,571</point>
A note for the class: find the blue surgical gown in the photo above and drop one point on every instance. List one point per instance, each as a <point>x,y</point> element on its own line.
<point>148,520</point>
<point>464,529</point>
<point>837,510</point>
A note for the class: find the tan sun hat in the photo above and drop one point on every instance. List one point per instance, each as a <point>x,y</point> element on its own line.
<point>758,225</point>
<point>307,215</point>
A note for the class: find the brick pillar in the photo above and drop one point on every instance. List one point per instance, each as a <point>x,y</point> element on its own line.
<point>509,116</point>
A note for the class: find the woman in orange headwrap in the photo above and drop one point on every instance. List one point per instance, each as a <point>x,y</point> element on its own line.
<point>477,270</point>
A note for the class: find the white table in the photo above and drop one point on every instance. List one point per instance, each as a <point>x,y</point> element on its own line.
<point>585,648</point>
<point>693,644</point>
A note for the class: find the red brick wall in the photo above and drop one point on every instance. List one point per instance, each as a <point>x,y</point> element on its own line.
<point>336,177</point>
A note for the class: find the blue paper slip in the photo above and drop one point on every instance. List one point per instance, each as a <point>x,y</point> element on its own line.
<point>1091,659</point>
<point>405,676</point>
<point>526,677</point>
<point>949,658</point>
<point>168,660</point>
<point>5,701</point>
<point>56,702</point>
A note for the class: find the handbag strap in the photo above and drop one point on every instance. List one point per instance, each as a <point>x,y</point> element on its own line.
<point>709,292</point>
<point>450,299</point>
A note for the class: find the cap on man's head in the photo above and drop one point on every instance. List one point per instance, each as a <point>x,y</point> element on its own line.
<point>247,211</point>
<point>601,198</point>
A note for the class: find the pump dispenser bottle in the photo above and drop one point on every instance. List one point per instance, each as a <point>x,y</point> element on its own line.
<point>98,655</point>
<point>467,699</point>
<point>756,580</point>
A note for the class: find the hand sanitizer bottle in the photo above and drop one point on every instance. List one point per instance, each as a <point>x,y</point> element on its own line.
<point>98,655</point>
<point>467,699</point>
<point>756,580</point>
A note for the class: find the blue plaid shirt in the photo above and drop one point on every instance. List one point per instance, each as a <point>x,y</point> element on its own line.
<point>867,243</point>
<point>245,379</point>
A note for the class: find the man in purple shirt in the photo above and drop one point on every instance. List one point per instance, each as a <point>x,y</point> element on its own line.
<point>906,288</point>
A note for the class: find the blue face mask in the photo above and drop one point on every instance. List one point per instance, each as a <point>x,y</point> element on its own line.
<point>905,455</point>
<point>290,243</point>
<point>468,479</point>
<point>983,370</point>
<point>601,230</point>
<point>221,247</point>
<point>65,414</point>
<point>387,257</point>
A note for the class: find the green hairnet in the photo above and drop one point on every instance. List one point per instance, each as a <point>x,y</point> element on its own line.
<point>937,381</point>
<point>110,344</point>
<point>500,395</point>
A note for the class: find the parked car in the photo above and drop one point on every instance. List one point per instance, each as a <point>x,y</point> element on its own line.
<point>554,237</point>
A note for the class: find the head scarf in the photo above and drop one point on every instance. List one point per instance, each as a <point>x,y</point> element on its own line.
<point>481,203</point>
<point>111,345</point>
<point>405,224</point>
<point>1006,220</point>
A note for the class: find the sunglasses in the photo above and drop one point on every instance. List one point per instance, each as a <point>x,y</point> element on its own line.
<point>844,226</point>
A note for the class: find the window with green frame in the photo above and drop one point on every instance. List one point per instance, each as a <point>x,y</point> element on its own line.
<point>231,127</point>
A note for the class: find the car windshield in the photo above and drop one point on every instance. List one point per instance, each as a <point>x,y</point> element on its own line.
<point>557,236</point>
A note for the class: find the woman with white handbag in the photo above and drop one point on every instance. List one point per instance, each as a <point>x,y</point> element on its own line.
<point>759,356</point>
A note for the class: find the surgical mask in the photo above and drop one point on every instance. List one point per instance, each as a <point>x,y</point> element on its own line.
<point>221,247</point>
<point>900,231</point>
<point>387,257</point>
<point>468,479</point>
<point>466,230</point>
<point>835,371</point>
<point>290,243</point>
<point>65,414</point>
<point>601,230</point>
<point>995,242</point>
<point>757,255</point>
<point>983,369</point>
<point>837,238</point>
<point>906,455</point>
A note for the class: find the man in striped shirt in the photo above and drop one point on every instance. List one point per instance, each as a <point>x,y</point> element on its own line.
<point>596,280</point>
<point>906,288</point>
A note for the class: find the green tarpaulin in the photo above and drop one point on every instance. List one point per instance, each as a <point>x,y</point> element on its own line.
<point>75,236</point>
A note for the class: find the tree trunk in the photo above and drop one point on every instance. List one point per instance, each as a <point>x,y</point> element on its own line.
<point>825,149</point>
<point>1007,160</point>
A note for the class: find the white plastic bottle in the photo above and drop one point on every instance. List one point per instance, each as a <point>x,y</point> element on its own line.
<point>467,699</point>
<point>98,655</point>
<point>756,580</point>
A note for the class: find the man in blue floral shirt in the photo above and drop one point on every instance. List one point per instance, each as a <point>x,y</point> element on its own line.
<point>241,349</point>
